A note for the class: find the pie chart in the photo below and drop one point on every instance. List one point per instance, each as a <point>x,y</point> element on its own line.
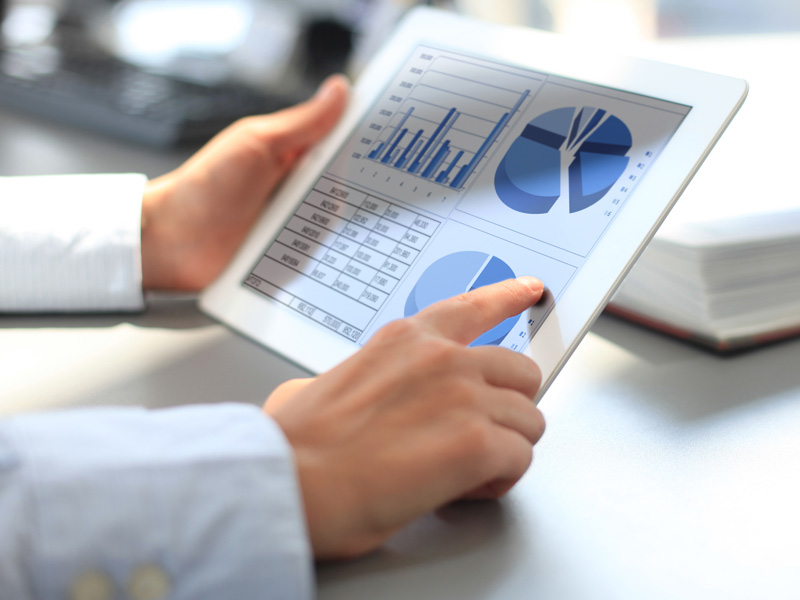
<point>591,143</point>
<point>455,274</point>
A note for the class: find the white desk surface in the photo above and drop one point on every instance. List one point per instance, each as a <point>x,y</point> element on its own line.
<point>666,471</point>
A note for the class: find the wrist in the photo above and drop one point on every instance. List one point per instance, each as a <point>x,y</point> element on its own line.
<point>154,268</point>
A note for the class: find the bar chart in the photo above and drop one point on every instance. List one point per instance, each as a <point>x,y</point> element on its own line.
<point>450,121</point>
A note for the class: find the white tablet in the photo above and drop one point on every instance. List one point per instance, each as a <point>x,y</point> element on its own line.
<point>471,153</point>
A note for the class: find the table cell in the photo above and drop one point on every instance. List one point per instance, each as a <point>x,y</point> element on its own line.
<point>331,205</point>
<point>394,267</point>
<point>306,288</point>
<point>425,224</point>
<point>360,271</point>
<point>355,232</point>
<point>367,255</point>
<point>381,243</point>
<point>304,307</point>
<point>384,282</point>
<point>321,218</point>
<point>337,325</point>
<point>399,215</point>
<point>335,259</point>
<point>391,229</point>
<point>324,274</point>
<point>349,286</point>
<point>267,288</point>
<point>311,231</point>
<point>342,192</point>
<point>365,219</point>
<point>373,297</point>
<point>302,244</point>
<point>291,258</point>
<point>345,246</point>
<point>415,239</point>
<point>404,253</point>
<point>374,205</point>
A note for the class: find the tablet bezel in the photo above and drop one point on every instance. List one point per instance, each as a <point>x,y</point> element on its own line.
<point>713,99</point>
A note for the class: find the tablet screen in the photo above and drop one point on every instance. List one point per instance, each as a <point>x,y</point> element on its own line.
<point>465,172</point>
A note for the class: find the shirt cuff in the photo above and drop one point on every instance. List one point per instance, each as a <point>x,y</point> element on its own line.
<point>71,243</point>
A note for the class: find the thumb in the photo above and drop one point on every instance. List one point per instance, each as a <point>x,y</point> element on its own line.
<point>295,129</point>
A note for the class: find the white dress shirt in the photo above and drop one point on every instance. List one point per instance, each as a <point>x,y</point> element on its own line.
<point>197,502</point>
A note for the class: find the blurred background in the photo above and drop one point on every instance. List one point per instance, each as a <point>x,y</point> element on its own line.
<point>170,72</point>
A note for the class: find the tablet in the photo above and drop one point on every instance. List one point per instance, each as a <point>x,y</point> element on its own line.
<point>471,153</point>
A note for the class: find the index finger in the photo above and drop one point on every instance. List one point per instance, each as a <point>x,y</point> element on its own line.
<point>464,317</point>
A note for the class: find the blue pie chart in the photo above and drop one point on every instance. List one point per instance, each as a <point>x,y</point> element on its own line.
<point>455,274</point>
<point>529,177</point>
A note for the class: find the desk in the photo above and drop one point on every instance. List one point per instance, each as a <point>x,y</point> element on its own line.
<point>666,471</point>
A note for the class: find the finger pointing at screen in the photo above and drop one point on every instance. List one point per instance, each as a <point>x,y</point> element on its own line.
<point>412,421</point>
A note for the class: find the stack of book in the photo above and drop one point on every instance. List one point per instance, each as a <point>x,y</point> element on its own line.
<point>727,283</point>
<point>724,269</point>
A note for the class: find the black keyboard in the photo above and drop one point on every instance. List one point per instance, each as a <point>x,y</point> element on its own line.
<point>85,87</point>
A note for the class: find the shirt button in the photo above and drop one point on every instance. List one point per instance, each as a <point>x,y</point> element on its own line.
<point>148,582</point>
<point>91,585</point>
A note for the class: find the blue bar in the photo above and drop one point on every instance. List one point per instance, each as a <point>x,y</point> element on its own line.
<point>458,177</point>
<point>441,160</point>
<point>464,174</point>
<point>377,152</point>
<point>437,160</point>
<point>414,149</point>
<point>388,156</point>
<point>515,108</point>
<point>432,151</point>
<point>402,160</point>
<point>399,127</point>
<point>418,162</point>
<point>446,173</point>
<point>467,170</point>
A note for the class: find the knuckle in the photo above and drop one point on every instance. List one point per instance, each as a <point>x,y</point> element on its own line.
<point>476,438</point>
<point>401,329</point>
<point>439,353</point>
<point>472,302</point>
<point>463,391</point>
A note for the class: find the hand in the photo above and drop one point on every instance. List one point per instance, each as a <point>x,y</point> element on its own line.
<point>195,218</point>
<point>413,420</point>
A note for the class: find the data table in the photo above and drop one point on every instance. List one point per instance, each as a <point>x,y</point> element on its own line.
<point>343,249</point>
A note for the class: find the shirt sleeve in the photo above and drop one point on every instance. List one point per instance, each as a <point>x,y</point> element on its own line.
<point>197,502</point>
<point>71,243</point>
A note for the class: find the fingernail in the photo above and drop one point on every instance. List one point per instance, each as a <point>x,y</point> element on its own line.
<point>534,284</point>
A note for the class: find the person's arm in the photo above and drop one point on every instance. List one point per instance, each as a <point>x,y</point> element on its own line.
<point>195,218</point>
<point>374,447</point>
<point>195,502</point>
<point>70,243</point>
<point>103,502</point>
<point>93,242</point>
